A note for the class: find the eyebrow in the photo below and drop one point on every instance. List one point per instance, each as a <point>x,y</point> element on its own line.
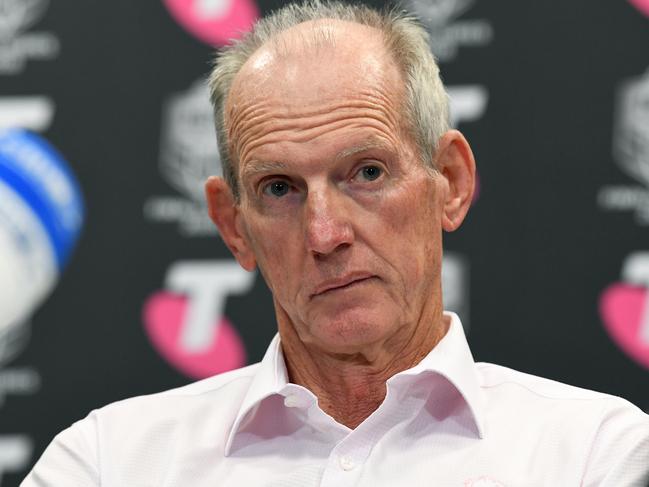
<point>256,166</point>
<point>365,146</point>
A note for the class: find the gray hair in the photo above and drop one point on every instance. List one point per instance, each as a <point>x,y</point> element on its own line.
<point>426,102</point>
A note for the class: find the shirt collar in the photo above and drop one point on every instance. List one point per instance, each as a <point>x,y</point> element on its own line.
<point>451,358</point>
<point>270,378</point>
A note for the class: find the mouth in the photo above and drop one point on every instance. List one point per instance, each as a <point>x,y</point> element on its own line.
<point>341,284</point>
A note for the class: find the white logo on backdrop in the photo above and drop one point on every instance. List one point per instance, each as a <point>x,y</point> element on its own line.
<point>18,381</point>
<point>447,33</point>
<point>635,271</point>
<point>17,45</point>
<point>15,450</point>
<point>15,453</point>
<point>467,103</point>
<point>207,285</point>
<point>34,113</point>
<point>631,150</point>
<point>455,286</point>
<point>13,338</point>
<point>188,155</point>
<point>208,9</point>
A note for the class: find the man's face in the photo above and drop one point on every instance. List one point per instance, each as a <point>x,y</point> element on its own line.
<point>343,219</point>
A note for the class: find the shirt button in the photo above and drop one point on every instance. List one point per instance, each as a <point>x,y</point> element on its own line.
<point>292,401</point>
<point>346,463</point>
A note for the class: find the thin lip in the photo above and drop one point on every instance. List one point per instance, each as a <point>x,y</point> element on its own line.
<point>330,284</point>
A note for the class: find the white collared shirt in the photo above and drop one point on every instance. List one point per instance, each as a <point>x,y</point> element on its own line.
<point>447,422</point>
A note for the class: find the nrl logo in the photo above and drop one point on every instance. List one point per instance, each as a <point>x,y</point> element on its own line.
<point>440,12</point>
<point>631,150</point>
<point>13,338</point>
<point>19,15</point>
<point>17,45</point>
<point>446,33</point>
<point>188,155</point>
<point>631,136</point>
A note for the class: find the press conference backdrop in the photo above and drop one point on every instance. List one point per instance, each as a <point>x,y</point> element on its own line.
<point>550,273</point>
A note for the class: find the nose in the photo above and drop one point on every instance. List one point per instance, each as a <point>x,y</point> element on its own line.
<point>327,222</point>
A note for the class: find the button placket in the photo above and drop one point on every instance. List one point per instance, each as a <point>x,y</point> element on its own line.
<point>343,469</point>
<point>346,463</point>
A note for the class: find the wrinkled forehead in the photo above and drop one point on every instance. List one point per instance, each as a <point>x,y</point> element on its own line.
<point>313,62</point>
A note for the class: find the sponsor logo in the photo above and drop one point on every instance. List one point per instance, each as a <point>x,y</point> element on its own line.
<point>642,5</point>
<point>188,155</point>
<point>631,150</point>
<point>447,33</point>
<point>624,308</point>
<point>15,453</point>
<point>455,286</point>
<point>13,338</point>
<point>23,381</point>
<point>215,22</point>
<point>467,103</point>
<point>15,450</point>
<point>483,481</point>
<point>186,323</point>
<point>17,46</point>
<point>29,112</point>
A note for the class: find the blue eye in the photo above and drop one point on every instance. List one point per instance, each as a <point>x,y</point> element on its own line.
<point>277,188</point>
<point>370,173</point>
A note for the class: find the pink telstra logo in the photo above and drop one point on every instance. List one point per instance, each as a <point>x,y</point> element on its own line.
<point>186,324</point>
<point>214,22</point>
<point>624,308</point>
<point>642,5</point>
<point>164,314</point>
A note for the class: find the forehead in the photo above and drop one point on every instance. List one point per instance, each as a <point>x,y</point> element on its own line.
<point>331,56</point>
<point>306,76</point>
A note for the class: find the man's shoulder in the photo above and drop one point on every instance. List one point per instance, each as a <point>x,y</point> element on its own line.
<point>222,394</point>
<point>136,431</point>
<point>605,434</point>
<point>551,395</point>
<point>215,384</point>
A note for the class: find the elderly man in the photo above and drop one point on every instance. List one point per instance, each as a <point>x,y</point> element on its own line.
<point>340,174</point>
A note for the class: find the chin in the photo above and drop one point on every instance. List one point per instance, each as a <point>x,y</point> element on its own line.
<point>352,330</point>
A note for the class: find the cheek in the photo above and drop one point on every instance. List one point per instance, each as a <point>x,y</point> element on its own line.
<point>413,221</point>
<point>272,245</point>
<point>413,213</point>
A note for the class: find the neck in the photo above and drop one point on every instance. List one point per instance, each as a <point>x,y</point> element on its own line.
<point>351,386</point>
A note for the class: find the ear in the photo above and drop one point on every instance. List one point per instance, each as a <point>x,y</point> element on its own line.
<point>226,215</point>
<point>456,164</point>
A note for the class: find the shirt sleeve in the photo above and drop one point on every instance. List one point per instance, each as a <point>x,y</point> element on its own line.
<point>71,459</point>
<point>619,455</point>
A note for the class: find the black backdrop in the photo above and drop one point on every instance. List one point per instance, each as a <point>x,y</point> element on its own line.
<point>548,272</point>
